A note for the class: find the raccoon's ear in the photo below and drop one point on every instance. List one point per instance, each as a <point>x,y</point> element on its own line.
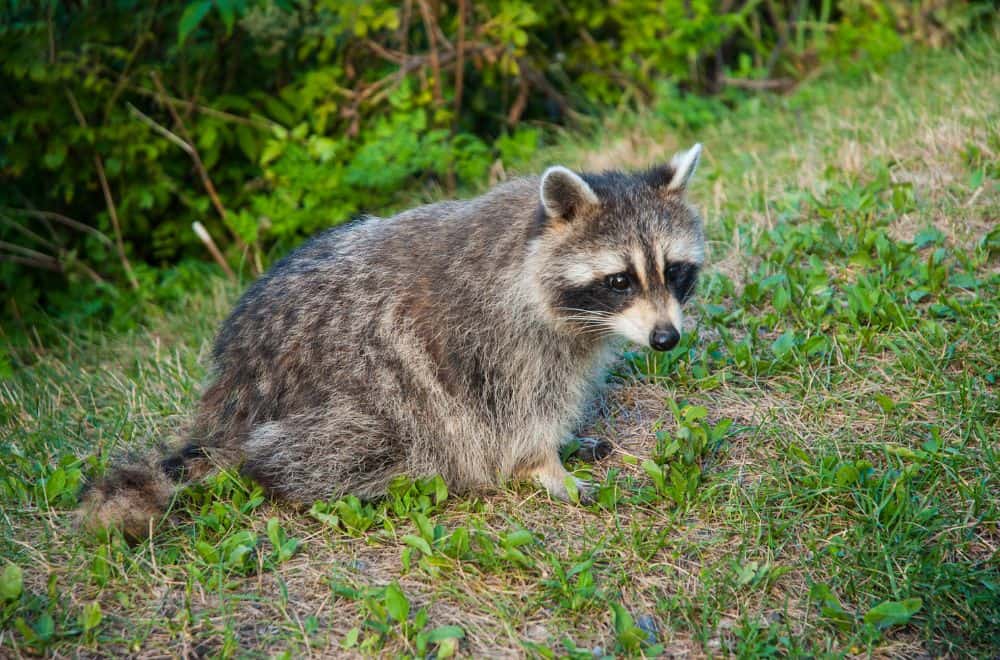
<point>675,176</point>
<point>565,194</point>
<point>684,164</point>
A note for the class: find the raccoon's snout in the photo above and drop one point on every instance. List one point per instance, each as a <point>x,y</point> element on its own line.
<point>663,339</point>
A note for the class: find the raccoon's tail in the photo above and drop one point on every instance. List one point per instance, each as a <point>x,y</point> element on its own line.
<point>137,490</point>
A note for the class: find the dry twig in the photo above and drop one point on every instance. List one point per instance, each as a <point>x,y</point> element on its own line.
<point>206,238</point>
<point>425,13</point>
<point>64,220</point>
<point>108,199</point>
<point>192,151</point>
<point>459,62</point>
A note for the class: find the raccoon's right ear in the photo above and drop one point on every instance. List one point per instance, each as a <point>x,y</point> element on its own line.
<point>564,194</point>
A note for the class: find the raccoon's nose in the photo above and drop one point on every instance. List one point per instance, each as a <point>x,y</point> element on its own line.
<point>663,339</point>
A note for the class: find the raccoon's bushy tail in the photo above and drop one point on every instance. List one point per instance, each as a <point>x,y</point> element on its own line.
<point>138,489</point>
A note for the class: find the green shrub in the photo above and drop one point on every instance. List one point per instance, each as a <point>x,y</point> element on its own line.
<point>123,122</point>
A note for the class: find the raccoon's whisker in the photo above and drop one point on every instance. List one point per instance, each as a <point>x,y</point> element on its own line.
<point>589,312</point>
<point>584,327</point>
<point>598,328</point>
<point>590,320</point>
<point>587,319</point>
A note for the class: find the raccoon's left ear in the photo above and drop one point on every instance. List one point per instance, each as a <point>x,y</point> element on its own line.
<point>675,177</point>
<point>564,194</point>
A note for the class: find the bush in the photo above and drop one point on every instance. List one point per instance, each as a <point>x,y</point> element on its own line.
<point>124,121</point>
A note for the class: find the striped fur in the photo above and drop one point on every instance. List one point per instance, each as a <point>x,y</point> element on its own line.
<point>461,338</point>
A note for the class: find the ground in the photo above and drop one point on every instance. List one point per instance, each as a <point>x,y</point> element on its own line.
<point>814,470</point>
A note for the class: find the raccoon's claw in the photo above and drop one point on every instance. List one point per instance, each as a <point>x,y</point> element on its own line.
<point>558,488</point>
<point>592,450</point>
<point>587,491</point>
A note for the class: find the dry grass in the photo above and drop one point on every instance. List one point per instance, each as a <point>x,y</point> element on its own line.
<point>762,497</point>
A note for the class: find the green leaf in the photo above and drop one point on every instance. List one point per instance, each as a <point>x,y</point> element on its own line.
<point>518,538</point>
<point>927,236</point>
<point>783,344</point>
<point>442,633</point>
<point>830,607</point>
<point>885,403</point>
<point>655,473</point>
<point>621,619</point>
<point>45,627</point>
<point>572,489</point>
<point>782,297</point>
<point>227,11</point>
<point>440,490</point>
<point>351,638</point>
<point>893,613</point>
<point>90,616</point>
<point>11,582</point>
<point>846,475</point>
<point>419,543</point>
<point>55,156</point>
<point>207,551</point>
<point>694,413</point>
<point>423,524</point>
<point>396,603</point>
<point>447,648</point>
<point>274,533</point>
<point>629,635</point>
<point>192,18</point>
<point>964,281</point>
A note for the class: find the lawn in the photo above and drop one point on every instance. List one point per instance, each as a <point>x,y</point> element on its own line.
<point>815,470</point>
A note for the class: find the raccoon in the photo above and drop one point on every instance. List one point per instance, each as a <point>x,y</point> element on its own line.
<point>461,338</point>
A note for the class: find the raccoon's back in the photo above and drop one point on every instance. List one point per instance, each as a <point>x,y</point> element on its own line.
<point>280,349</point>
<point>323,322</point>
<point>449,255</point>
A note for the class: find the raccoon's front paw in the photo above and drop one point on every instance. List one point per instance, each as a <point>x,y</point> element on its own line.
<point>564,486</point>
<point>592,450</point>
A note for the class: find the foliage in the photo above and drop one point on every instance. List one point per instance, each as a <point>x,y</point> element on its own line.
<point>851,507</point>
<point>124,122</point>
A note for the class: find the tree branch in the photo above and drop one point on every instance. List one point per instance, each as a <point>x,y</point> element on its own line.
<point>173,137</point>
<point>459,63</point>
<point>62,219</point>
<point>108,199</point>
<point>199,165</point>
<point>425,14</point>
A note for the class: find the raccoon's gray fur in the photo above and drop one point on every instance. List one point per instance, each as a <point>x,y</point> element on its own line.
<point>460,338</point>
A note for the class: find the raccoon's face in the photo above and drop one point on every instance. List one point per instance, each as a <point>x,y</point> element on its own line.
<point>623,251</point>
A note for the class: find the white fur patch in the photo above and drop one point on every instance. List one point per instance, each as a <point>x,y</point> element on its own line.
<point>686,249</point>
<point>636,323</point>
<point>684,164</point>
<point>639,263</point>
<point>590,267</point>
<point>559,180</point>
<point>661,265</point>
<point>675,315</point>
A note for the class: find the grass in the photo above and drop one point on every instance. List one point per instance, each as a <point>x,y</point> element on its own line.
<point>814,471</point>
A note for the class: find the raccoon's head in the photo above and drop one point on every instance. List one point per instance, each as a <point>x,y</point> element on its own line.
<point>620,253</point>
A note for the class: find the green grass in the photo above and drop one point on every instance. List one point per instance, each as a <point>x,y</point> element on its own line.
<point>814,471</point>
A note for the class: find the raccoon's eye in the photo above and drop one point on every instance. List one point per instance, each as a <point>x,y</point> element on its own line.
<point>618,281</point>
<point>681,278</point>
